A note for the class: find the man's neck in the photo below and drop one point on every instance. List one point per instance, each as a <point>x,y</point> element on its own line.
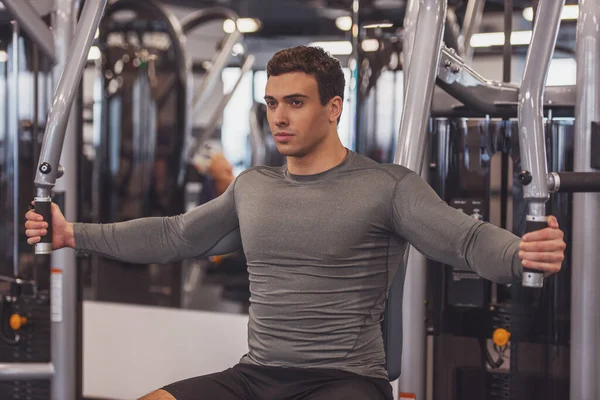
<point>324,158</point>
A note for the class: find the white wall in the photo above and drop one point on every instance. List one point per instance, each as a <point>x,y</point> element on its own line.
<point>490,67</point>
<point>131,350</point>
<point>562,71</point>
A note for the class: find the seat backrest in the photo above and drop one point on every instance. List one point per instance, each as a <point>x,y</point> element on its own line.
<point>392,327</point>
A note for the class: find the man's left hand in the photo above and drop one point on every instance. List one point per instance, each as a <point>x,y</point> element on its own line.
<point>544,249</point>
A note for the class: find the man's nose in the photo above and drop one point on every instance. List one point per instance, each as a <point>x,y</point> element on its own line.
<point>280,117</point>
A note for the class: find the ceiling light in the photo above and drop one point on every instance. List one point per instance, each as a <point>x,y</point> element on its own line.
<point>94,53</point>
<point>344,23</point>
<point>336,48</point>
<point>244,25</point>
<point>229,26</point>
<point>248,25</point>
<point>3,56</point>
<point>379,25</point>
<point>370,45</point>
<point>570,11</point>
<point>489,39</point>
<point>238,49</point>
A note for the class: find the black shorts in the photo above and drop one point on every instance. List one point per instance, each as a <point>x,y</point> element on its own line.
<point>251,382</point>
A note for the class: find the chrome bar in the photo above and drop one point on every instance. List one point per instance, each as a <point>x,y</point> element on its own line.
<point>33,25</point>
<point>472,21</point>
<point>534,174</point>
<point>218,111</point>
<point>20,371</point>
<point>65,94</point>
<point>410,152</point>
<point>585,278</point>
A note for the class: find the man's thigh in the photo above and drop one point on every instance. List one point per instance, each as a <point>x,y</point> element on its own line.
<point>355,389</point>
<point>225,385</point>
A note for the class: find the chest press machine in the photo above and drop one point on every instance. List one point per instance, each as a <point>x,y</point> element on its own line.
<point>434,62</point>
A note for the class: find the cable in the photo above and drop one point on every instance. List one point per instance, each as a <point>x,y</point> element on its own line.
<point>487,357</point>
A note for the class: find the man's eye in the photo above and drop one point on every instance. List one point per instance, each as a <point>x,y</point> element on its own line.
<point>296,102</point>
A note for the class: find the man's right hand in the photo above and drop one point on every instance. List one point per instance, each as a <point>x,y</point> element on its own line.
<point>62,231</point>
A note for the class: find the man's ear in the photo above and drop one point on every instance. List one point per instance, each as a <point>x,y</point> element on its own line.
<point>335,108</point>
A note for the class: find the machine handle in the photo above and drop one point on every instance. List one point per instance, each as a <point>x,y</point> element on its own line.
<point>575,182</point>
<point>43,206</point>
<point>531,277</point>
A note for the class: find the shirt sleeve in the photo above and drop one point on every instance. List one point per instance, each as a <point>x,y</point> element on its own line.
<point>449,236</point>
<point>209,229</point>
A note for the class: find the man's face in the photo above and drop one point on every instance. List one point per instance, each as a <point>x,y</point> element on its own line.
<point>298,121</point>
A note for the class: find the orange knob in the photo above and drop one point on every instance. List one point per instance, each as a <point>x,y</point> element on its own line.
<point>216,259</point>
<point>16,322</point>
<point>501,337</point>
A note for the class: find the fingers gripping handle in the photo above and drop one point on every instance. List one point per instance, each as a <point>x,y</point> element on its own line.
<point>43,206</point>
<point>531,277</point>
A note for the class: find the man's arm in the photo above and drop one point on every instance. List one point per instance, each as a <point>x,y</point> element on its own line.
<point>448,235</point>
<point>209,229</point>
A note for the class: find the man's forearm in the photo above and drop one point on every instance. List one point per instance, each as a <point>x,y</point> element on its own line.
<point>493,253</point>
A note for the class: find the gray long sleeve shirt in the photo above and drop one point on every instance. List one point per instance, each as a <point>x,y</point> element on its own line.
<point>322,251</point>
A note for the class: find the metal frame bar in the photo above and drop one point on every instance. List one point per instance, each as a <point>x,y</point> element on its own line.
<point>410,152</point>
<point>218,111</point>
<point>33,25</point>
<point>65,94</point>
<point>452,102</point>
<point>73,42</point>
<point>13,113</point>
<point>531,120</point>
<point>473,90</point>
<point>410,27</point>
<point>51,152</point>
<point>471,23</point>
<point>452,31</point>
<point>63,298</point>
<point>485,96</point>
<point>219,61</point>
<point>354,98</point>
<point>585,297</point>
<point>18,371</point>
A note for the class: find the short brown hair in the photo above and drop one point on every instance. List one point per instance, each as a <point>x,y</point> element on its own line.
<point>313,61</point>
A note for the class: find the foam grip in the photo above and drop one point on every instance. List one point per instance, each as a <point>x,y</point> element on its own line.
<point>44,209</point>
<point>533,277</point>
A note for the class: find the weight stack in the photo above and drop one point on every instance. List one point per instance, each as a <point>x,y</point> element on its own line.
<point>33,345</point>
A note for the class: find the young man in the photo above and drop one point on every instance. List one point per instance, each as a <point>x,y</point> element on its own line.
<point>323,237</point>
